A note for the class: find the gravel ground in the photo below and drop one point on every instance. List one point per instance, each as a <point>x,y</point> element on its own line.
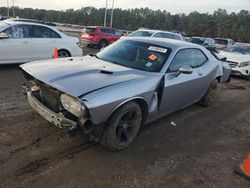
<point>200,151</point>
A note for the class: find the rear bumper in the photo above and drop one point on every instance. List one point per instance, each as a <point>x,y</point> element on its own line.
<point>57,119</point>
<point>88,42</point>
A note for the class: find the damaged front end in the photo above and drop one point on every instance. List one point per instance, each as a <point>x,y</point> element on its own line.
<point>58,108</point>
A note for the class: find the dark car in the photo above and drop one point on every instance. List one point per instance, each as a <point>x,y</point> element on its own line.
<point>99,36</point>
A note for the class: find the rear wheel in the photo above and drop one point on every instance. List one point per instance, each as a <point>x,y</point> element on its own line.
<point>103,43</point>
<point>122,127</point>
<point>210,97</point>
<point>63,53</point>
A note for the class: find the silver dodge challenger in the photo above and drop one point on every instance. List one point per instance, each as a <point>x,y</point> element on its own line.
<point>132,82</point>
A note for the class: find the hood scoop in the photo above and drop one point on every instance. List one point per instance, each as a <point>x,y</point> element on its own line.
<point>106,72</point>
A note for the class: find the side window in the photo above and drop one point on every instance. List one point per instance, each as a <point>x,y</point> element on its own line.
<point>191,57</point>
<point>110,31</point>
<point>167,35</point>
<point>158,35</point>
<point>103,30</point>
<point>177,37</point>
<point>118,33</point>
<point>19,31</point>
<point>44,32</point>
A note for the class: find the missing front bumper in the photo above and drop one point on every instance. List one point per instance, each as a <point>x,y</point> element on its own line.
<point>57,119</point>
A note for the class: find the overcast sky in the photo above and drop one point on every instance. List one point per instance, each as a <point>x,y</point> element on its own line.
<point>173,6</point>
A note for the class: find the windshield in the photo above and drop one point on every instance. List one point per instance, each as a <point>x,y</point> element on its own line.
<point>140,34</point>
<point>136,55</point>
<point>3,26</point>
<point>199,41</point>
<point>244,49</point>
<point>221,41</point>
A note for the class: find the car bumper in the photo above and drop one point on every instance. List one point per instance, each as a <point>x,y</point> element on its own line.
<point>241,71</point>
<point>88,42</point>
<point>57,119</point>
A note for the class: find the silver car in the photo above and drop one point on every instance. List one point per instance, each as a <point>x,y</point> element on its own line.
<point>132,82</point>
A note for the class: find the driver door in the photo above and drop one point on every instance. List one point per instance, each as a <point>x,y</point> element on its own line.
<point>182,90</point>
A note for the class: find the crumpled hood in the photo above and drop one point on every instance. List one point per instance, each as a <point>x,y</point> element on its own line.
<point>235,57</point>
<point>78,76</point>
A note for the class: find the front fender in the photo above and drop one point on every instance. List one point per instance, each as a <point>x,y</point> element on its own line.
<point>225,71</point>
<point>102,103</point>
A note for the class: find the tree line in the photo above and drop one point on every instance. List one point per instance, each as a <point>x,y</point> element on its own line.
<point>219,24</point>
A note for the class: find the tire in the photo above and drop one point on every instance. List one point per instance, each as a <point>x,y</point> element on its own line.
<point>210,97</point>
<point>63,54</point>
<point>122,127</point>
<point>103,44</point>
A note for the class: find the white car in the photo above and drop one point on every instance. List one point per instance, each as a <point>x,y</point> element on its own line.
<point>223,43</point>
<point>22,42</point>
<point>156,33</point>
<point>208,43</point>
<point>238,56</point>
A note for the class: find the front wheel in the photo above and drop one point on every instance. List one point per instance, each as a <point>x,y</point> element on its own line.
<point>210,97</point>
<point>122,127</point>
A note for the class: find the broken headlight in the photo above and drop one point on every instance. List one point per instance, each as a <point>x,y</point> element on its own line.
<point>73,105</point>
<point>244,64</point>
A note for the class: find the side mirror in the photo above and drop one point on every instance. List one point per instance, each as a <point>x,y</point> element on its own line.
<point>4,36</point>
<point>184,69</point>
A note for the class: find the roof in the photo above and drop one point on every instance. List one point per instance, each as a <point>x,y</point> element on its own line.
<point>165,42</point>
<point>16,22</point>
<point>223,38</point>
<point>198,37</point>
<point>157,31</point>
<point>149,30</point>
<point>167,32</point>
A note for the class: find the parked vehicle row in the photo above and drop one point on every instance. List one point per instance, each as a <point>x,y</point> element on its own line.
<point>157,33</point>
<point>22,41</point>
<point>103,36</point>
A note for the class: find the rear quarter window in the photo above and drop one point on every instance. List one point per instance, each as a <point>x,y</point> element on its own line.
<point>44,32</point>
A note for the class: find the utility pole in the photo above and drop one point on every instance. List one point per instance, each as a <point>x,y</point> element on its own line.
<point>8,9</point>
<point>13,8</point>
<point>112,13</point>
<point>105,16</point>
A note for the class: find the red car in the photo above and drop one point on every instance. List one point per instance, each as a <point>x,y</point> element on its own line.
<point>99,36</point>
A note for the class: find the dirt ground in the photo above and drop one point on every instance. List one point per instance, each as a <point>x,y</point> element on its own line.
<point>200,151</point>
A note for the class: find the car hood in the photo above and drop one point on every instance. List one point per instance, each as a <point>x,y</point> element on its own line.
<point>79,76</point>
<point>235,57</point>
